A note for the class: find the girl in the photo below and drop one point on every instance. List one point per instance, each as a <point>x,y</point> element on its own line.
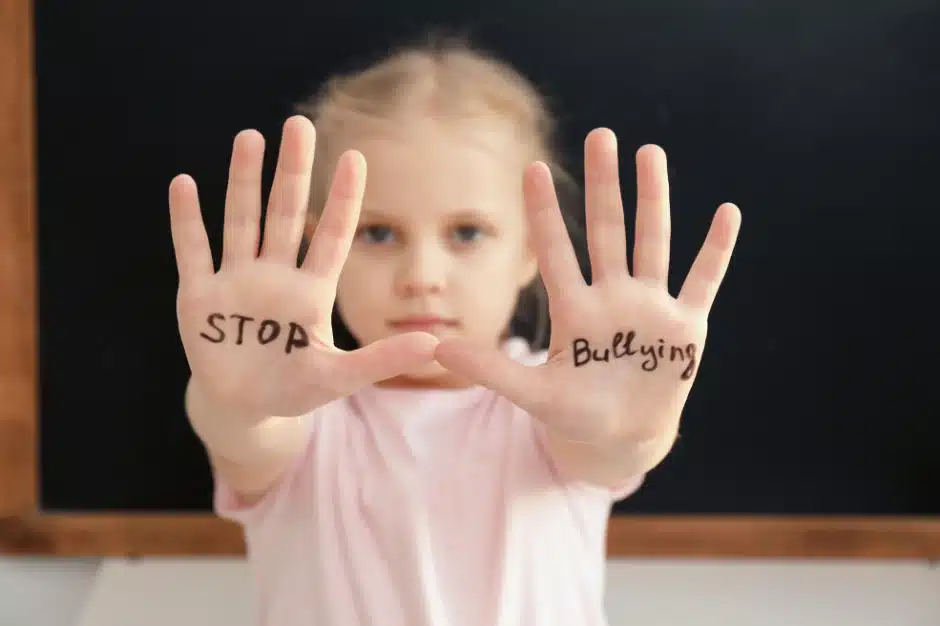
<point>444,472</point>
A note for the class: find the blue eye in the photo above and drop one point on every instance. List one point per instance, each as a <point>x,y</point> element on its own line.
<point>467,234</point>
<point>376,234</point>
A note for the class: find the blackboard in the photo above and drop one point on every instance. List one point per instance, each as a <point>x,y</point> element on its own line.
<point>819,119</point>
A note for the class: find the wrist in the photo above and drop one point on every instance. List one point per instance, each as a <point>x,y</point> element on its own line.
<point>204,406</point>
<point>643,454</point>
<point>226,430</point>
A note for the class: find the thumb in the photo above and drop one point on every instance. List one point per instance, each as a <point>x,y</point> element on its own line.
<point>387,357</point>
<point>522,385</point>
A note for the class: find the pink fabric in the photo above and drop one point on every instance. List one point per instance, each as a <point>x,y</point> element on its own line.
<point>427,508</point>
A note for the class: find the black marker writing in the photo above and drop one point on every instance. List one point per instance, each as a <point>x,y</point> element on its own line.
<point>622,346</point>
<point>211,320</point>
<point>268,331</point>
<point>241,326</point>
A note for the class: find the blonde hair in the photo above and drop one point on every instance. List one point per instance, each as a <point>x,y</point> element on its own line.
<point>446,78</point>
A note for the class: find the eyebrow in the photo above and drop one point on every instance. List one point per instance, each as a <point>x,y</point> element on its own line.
<point>463,214</point>
<point>367,214</point>
<point>470,215</point>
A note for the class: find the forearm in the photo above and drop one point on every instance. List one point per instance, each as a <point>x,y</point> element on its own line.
<point>248,452</point>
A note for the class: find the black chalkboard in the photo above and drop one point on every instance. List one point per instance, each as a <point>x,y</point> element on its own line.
<point>821,119</point>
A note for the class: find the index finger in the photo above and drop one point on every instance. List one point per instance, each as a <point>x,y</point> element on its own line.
<point>336,226</point>
<point>553,249</point>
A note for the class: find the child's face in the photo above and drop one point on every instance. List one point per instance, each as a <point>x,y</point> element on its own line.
<point>441,245</point>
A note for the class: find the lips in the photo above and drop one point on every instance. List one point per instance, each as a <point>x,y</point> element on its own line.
<point>422,322</point>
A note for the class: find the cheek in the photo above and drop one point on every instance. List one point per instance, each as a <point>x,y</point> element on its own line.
<point>362,288</point>
<point>495,275</point>
<point>503,266</point>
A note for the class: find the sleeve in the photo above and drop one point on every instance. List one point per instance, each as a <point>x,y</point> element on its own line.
<point>228,505</point>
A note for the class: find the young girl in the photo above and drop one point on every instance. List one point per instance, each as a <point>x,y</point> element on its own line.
<point>445,473</point>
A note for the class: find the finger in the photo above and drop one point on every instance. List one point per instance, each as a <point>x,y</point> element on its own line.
<point>290,191</point>
<point>606,233</point>
<point>554,252</point>
<point>709,268</point>
<point>243,199</point>
<point>336,227</point>
<point>651,247</point>
<point>523,385</point>
<point>190,241</point>
<point>384,359</point>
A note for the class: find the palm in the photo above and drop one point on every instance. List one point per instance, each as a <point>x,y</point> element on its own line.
<point>257,332</point>
<point>613,357</point>
<point>261,334</point>
<point>623,351</point>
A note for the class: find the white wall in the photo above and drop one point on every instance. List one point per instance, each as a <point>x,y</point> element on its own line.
<point>44,592</point>
<point>217,592</point>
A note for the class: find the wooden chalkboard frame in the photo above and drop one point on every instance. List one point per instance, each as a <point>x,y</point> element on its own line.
<point>25,530</point>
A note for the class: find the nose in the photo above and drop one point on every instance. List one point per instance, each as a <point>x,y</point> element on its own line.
<point>422,271</point>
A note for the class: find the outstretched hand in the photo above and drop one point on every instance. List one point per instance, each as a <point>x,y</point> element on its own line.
<point>623,353</point>
<point>257,332</point>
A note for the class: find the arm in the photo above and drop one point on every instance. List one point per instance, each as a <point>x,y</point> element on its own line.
<point>249,454</point>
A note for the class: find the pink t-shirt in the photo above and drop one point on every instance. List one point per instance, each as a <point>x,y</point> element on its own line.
<point>427,508</point>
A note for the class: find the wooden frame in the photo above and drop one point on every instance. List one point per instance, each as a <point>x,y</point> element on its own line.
<point>25,530</point>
